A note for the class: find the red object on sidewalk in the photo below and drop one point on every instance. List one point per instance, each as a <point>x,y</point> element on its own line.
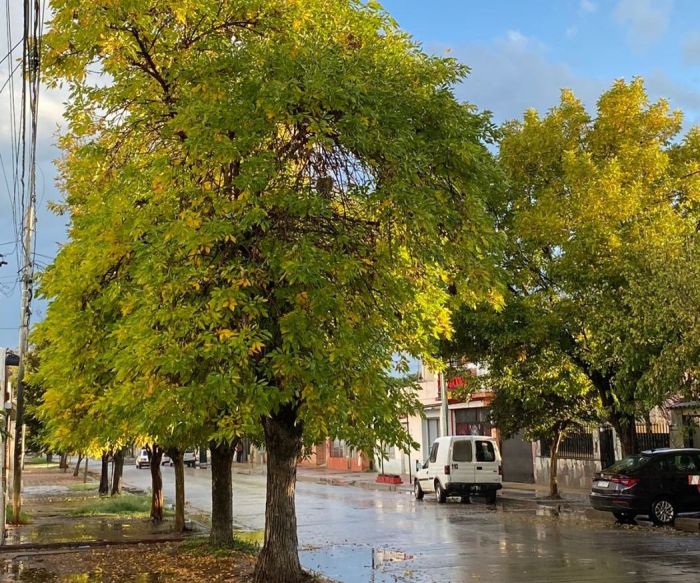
<point>389,479</point>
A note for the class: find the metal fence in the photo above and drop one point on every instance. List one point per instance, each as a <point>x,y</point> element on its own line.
<point>576,446</point>
<point>653,436</point>
<point>579,445</point>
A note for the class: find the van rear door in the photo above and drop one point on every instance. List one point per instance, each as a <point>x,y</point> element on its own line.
<point>486,462</point>
<point>462,465</point>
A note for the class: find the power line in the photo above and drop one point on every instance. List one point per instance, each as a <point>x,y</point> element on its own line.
<point>9,53</point>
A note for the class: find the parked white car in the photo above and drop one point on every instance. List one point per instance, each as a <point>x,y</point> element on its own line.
<point>142,460</point>
<point>461,465</point>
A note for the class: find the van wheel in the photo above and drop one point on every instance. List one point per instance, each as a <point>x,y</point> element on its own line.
<point>440,493</point>
<point>466,499</point>
<point>490,497</point>
<point>662,511</point>
<point>417,490</point>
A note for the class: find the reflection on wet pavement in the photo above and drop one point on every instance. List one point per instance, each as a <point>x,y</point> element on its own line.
<point>22,571</point>
<point>464,543</point>
<point>87,528</point>
<point>341,528</point>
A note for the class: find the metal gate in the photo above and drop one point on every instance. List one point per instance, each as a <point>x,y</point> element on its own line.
<point>517,460</point>
<point>607,447</point>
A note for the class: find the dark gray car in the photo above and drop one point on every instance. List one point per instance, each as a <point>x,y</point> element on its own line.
<point>659,483</point>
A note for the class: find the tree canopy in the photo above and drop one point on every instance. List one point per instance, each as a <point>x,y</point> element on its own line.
<point>591,206</point>
<point>268,201</point>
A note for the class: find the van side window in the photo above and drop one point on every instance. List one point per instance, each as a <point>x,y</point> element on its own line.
<point>485,452</point>
<point>462,451</point>
<point>433,453</point>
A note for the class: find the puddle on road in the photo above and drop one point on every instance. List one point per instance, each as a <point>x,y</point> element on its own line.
<point>354,563</point>
<point>22,572</point>
<point>86,529</point>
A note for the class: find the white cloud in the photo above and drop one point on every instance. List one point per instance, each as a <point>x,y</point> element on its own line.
<point>645,21</point>
<point>517,39</point>
<point>515,73</point>
<point>660,85</point>
<point>588,6</point>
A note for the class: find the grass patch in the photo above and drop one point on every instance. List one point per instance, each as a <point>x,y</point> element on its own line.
<point>83,487</point>
<point>248,543</point>
<point>24,518</point>
<point>126,505</point>
<point>38,460</point>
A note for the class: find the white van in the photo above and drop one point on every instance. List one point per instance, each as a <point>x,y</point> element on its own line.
<point>460,465</point>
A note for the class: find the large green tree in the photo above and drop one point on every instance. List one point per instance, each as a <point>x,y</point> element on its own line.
<point>592,205</point>
<point>544,396</point>
<point>298,196</point>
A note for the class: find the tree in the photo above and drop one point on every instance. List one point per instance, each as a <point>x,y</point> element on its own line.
<point>590,205</point>
<point>117,471</point>
<point>295,192</point>
<point>545,397</point>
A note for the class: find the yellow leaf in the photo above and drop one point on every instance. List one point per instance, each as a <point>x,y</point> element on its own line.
<point>225,334</point>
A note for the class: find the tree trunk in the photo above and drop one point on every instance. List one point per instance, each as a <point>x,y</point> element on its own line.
<point>76,471</point>
<point>117,472</point>
<point>221,494</point>
<point>554,465</point>
<point>156,484</point>
<point>63,464</point>
<point>104,475</point>
<point>176,455</point>
<point>278,561</point>
<point>625,426</point>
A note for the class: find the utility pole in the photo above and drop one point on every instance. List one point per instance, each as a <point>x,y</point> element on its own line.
<point>30,94</point>
<point>444,411</point>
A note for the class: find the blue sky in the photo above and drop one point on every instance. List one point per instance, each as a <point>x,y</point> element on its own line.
<point>521,53</point>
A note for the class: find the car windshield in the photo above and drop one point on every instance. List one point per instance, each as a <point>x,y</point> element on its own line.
<point>629,464</point>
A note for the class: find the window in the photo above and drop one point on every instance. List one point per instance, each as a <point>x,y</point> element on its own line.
<point>432,431</point>
<point>472,421</point>
<point>631,463</point>
<point>485,451</point>
<point>685,463</point>
<point>462,451</point>
<point>339,448</point>
<point>433,453</point>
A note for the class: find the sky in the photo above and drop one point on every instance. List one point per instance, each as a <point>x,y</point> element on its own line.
<point>521,53</point>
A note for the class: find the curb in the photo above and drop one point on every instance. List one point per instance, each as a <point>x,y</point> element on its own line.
<point>21,547</point>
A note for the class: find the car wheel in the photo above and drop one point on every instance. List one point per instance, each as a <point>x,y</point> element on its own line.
<point>440,493</point>
<point>624,516</point>
<point>417,490</point>
<point>138,466</point>
<point>663,512</point>
<point>466,499</point>
<point>490,497</point>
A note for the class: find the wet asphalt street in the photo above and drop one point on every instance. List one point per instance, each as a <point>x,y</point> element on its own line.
<point>344,530</point>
